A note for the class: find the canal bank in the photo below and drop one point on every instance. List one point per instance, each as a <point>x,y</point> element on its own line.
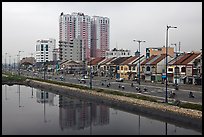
<point>163,111</point>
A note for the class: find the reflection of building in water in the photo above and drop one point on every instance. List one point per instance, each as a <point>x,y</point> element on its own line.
<point>46,97</point>
<point>77,114</point>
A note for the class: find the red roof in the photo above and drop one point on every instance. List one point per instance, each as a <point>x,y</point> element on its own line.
<point>129,60</point>
<point>97,60</point>
<point>148,59</point>
<point>179,61</point>
<point>162,56</point>
<point>190,58</point>
<point>107,60</point>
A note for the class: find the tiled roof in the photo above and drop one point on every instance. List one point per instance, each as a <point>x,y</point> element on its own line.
<point>161,57</point>
<point>97,60</point>
<point>184,57</point>
<point>129,60</point>
<point>190,58</point>
<point>107,60</point>
<point>172,62</point>
<point>148,59</point>
<point>119,60</point>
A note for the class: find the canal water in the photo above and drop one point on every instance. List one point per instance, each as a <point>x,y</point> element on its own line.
<point>30,111</point>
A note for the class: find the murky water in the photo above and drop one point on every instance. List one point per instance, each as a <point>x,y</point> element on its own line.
<point>30,111</point>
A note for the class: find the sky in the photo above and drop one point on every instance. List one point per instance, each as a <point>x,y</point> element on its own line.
<point>23,23</point>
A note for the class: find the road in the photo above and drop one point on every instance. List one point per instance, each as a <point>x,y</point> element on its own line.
<point>154,90</point>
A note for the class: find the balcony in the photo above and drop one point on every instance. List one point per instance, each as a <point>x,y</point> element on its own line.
<point>147,72</point>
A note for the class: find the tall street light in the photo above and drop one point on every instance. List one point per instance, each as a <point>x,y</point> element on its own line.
<point>139,41</point>
<point>9,63</point>
<point>168,27</point>
<point>176,86</point>
<point>19,61</point>
<point>91,68</point>
<point>5,61</point>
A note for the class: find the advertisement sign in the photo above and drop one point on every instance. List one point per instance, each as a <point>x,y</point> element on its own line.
<point>189,70</point>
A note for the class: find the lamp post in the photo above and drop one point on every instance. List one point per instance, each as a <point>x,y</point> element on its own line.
<point>9,63</point>
<point>91,67</point>
<point>139,41</point>
<point>5,60</point>
<point>44,63</point>
<point>19,61</point>
<point>176,66</point>
<point>168,27</point>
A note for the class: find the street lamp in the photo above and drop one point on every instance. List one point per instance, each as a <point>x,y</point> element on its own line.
<point>168,27</point>
<point>9,63</point>
<point>5,61</point>
<point>19,61</point>
<point>139,41</point>
<point>176,86</point>
<point>90,67</point>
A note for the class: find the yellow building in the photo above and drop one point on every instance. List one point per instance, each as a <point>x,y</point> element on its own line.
<point>158,51</point>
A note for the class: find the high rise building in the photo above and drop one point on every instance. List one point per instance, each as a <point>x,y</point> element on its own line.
<point>93,31</point>
<point>73,26</point>
<point>100,38</point>
<point>44,50</point>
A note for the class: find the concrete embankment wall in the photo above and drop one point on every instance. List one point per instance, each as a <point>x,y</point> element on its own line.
<point>160,111</point>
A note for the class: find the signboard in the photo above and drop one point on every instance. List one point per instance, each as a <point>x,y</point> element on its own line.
<point>163,76</point>
<point>188,70</point>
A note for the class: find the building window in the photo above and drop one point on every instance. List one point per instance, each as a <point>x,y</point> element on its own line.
<point>183,69</point>
<point>121,67</point>
<point>176,70</point>
<point>148,68</point>
<point>46,47</point>
<point>41,47</point>
<point>170,69</point>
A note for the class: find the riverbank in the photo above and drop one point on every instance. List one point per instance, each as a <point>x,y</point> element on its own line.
<point>162,110</point>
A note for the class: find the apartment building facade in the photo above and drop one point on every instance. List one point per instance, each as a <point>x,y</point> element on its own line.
<point>44,50</point>
<point>94,33</point>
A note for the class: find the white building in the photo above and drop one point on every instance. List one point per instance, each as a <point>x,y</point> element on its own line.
<point>44,50</point>
<point>117,53</point>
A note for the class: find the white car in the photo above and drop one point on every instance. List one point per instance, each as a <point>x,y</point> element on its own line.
<point>119,80</point>
<point>85,77</point>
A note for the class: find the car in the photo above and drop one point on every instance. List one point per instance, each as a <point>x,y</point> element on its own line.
<point>135,79</point>
<point>85,77</point>
<point>82,80</point>
<point>61,78</point>
<point>119,80</point>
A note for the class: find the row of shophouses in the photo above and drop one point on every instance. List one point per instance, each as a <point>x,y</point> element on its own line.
<point>186,68</point>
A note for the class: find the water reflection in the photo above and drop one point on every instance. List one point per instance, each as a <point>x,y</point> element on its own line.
<point>45,97</point>
<point>77,114</point>
<point>19,96</point>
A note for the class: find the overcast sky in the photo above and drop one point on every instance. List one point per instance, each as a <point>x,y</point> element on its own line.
<point>23,23</point>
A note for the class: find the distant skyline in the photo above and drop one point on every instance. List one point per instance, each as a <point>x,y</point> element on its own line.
<point>23,23</point>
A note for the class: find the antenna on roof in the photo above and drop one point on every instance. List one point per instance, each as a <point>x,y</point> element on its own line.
<point>179,46</point>
<point>116,45</point>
